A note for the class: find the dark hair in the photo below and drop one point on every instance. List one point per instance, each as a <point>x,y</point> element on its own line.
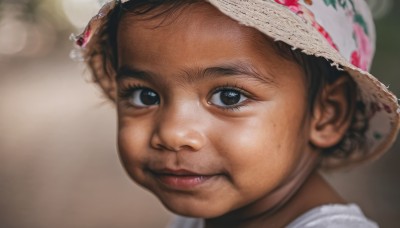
<point>319,72</point>
<point>101,56</point>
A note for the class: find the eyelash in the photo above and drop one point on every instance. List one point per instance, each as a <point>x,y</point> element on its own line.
<point>234,87</point>
<point>125,92</point>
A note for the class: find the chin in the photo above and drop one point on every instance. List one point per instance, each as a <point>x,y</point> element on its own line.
<point>189,206</point>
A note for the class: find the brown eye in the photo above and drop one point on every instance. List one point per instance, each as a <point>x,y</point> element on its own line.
<point>144,97</point>
<point>227,97</point>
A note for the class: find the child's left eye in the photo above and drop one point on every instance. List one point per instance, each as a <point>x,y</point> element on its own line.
<point>228,98</point>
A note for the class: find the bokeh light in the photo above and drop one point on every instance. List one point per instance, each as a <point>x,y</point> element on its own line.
<point>78,12</point>
<point>380,8</point>
<point>14,36</point>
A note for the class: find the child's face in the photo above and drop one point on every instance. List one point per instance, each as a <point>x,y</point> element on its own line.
<point>211,118</point>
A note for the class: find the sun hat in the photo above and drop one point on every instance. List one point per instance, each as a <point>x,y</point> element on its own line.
<point>342,32</point>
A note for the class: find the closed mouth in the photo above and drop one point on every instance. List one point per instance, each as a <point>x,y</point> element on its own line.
<point>181,179</point>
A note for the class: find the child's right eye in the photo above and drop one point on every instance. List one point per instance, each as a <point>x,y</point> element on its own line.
<point>143,97</point>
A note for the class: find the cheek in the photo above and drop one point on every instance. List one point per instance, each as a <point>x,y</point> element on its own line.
<point>132,142</point>
<point>246,147</point>
<point>265,145</point>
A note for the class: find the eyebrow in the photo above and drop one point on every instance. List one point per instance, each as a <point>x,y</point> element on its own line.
<point>129,72</point>
<point>193,75</point>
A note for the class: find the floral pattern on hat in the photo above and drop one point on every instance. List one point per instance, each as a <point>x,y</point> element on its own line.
<point>309,16</point>
<point>362,51</point>
<point>361,57</point>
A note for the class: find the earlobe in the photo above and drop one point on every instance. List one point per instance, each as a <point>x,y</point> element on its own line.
<point>332,113</point>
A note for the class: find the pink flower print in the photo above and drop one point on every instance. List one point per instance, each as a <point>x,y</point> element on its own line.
<point>307,15</point>
<point>362,56</point>
<point>293,5</point>
<point>84,37</point>
<point>355,59</point>
<point>387,108</point>
<point>288,2</point>
<point>325,34</point>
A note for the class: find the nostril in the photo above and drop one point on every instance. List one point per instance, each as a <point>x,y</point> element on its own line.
<point>175,141</point>
<point>175,149</point>
<point>165,148</point>
<point>187,148</point>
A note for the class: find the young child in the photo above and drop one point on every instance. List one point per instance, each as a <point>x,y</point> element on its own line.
<point>228,109</point>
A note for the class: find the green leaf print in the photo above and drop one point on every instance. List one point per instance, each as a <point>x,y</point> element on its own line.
<point>343,3</point>
<point>330,3</point>
<point>360,20</point>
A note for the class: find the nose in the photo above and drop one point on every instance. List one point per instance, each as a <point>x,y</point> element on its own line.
<point>178,128</point>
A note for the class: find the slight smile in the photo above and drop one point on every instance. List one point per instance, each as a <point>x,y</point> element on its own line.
<point>182,180</point>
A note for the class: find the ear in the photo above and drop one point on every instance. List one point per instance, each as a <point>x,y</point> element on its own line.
<point>332,113</point>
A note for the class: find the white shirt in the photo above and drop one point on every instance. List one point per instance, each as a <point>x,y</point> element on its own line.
<point>326,216</point>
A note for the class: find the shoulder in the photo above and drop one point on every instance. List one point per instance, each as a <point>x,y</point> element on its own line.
<point>333,216</point>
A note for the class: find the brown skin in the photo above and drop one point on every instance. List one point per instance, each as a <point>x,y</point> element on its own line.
<point>259,155</point>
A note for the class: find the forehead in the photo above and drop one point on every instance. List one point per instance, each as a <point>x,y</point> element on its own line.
<point>185,17</point>
<point>164,25</point>
<point>193,35</point>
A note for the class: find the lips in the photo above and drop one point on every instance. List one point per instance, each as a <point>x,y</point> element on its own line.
<point>181,179</point>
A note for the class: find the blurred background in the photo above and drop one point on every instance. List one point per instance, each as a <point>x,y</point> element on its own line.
<point>58,159</point>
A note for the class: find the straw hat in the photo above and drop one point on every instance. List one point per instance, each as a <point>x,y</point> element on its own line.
<point>343,32</point>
